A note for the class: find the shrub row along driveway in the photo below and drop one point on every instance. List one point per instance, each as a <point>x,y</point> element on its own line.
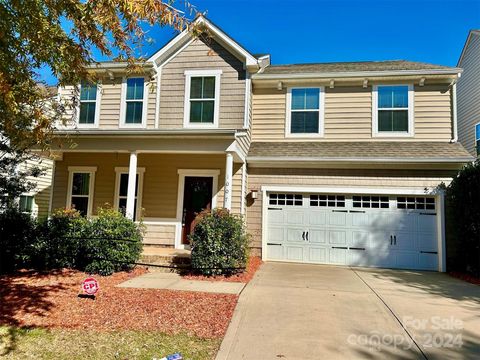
<point>50,300</point>
<point>295,311</point>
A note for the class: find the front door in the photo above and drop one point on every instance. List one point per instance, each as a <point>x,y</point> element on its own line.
<point>197,196</point>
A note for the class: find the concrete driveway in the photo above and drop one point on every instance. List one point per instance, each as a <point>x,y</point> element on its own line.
<point>297,311</point>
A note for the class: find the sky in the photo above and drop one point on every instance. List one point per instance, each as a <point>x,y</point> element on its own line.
<point>306,31</point>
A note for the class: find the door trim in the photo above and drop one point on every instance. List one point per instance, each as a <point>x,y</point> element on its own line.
<point>182,173</point>
<point>439,203</point>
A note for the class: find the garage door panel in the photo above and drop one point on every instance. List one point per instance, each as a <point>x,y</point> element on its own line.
<point>275,252</point>
<point>360,239</point>
<point>317,217</point>
<point>360,219</point>
<point>427,223</point>
<point>428,261</point>
<point>379,220</point>
<point>337,237</point>
<point>384,259</point>
<point>294,234</point>
<point>337,219</point>
<point>294,217</point>
<point>407,259</point>
<point>405,240</point>
<point>380,241</point>
<point>403,221</point>
<point>317,254</point>
<point>317,236</point>
<point>275,216</point>
<point>276,234</point>
<point>427,242</point>
<point>358,257</point>
<point>294,253</point>
<point>338,256</point>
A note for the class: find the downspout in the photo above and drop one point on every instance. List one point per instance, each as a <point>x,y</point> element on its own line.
<point>454,111</point>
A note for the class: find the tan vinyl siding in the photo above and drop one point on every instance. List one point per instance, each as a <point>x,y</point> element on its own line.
<point>348,114</point>
<point>110,104</point>
<point>202,56</point>
<point>468,94</point>
<point>159,234</point>
<point>374,178</point>
<point>41,192</point>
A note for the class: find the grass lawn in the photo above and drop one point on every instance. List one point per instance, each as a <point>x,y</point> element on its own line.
<point>17,343</point>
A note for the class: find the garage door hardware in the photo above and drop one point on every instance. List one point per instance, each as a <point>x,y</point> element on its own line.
<point>355,248</point>
<point>340,247</point>
<point>431,214</point>
<point>357,211</point>
<point>274,244</point>
<point>428,252</point>
<point>393,239</point>
<point>305,236</point>
<point>274,209</point>
<point>342,211</point>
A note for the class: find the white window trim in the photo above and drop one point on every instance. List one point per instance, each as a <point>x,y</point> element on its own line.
<point>411,113</point>
<point>91,186</point>
<point>123,103</point>
<point>182,173</point>
<point>321,113</point>
<point>475,138</point>
<point>216,112</point>
<point>116,200</point>
<point>97,101</point>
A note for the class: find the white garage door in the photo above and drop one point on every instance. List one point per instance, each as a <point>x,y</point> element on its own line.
<point>363,230</point>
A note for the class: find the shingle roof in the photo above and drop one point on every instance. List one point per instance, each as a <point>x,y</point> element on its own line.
<point>388,65</point>
<point>366,150</point>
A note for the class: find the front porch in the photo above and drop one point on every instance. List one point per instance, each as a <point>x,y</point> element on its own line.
<point>163,190</point>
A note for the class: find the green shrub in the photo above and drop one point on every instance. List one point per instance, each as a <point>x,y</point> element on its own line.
<point>58,242</point>
<point>219,243</point>
<point>463,220</point>
<point>112,243</point>
<point>17,235</point>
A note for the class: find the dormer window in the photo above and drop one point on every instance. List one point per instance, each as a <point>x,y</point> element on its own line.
<point>202,98</point>
<point>393,110</point>
<point>133,111</point>
<point>305,112</point>
<point>88,112</point>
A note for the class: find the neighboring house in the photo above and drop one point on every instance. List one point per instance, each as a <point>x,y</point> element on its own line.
<point>330,163</point>
<point>468,94</point>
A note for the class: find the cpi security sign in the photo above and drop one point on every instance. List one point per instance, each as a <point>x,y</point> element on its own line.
<point>90,286</point>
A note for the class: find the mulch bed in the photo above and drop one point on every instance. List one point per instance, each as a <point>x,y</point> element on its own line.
<point>50,300</point>
<point>252,266</point>
<point>465,277</point>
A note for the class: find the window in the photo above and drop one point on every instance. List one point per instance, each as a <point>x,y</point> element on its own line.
<point>133,112</point>
<point>80,190</point>
<point>121,191</point>
<point>305,111</point>
<point>393,110</point>
<point>202,97</point>
<point>88,106</point>
<point>416,203</point>
<point>477,138</point>
<point>286,199</point>
<point>327,200</point>
<point>373,202</point>
<point>26,203</point>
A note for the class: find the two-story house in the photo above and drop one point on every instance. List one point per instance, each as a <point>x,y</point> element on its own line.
<point>468,97</point>
<point>330,163</point>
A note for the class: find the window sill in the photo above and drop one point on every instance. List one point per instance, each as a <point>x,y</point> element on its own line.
<point>392,134</point>
<point>304,135</point>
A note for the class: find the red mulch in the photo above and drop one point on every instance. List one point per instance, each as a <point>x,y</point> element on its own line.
<point>465,277</point>
<point>50,300</point>
<point>253,265</point>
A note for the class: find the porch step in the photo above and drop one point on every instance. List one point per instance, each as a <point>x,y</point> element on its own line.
<point>165,259</point>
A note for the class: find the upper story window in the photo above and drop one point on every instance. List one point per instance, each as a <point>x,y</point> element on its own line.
<point>89,95</point>
<point>393,110</point>
<point>477,138</point>
<point>133,102</point>
<point>202,98</point>
<point>305,112</point>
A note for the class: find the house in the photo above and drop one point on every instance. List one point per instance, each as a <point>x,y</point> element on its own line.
<point>334,163</point>
<point>468,94</point>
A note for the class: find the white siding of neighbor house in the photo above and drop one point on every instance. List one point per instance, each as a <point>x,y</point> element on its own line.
<point>468,94</point>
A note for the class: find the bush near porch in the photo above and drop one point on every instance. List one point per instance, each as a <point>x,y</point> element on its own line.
<point>103,245</point>
<point>463,221</point>
<point>220,243</point>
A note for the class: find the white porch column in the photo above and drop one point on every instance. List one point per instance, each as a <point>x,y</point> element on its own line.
<point>227,197</point>
<point>132,179</point>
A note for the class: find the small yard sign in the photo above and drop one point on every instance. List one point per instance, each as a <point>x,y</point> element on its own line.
<point>90,286</point>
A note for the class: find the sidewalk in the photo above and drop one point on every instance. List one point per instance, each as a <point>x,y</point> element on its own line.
<point>172,281</point>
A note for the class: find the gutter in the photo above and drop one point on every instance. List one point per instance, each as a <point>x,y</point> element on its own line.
<point>350,74</point>
<point>260,159</point>
<point>147,132</point>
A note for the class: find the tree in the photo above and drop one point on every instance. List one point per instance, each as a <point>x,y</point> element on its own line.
<point>61,35</point>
